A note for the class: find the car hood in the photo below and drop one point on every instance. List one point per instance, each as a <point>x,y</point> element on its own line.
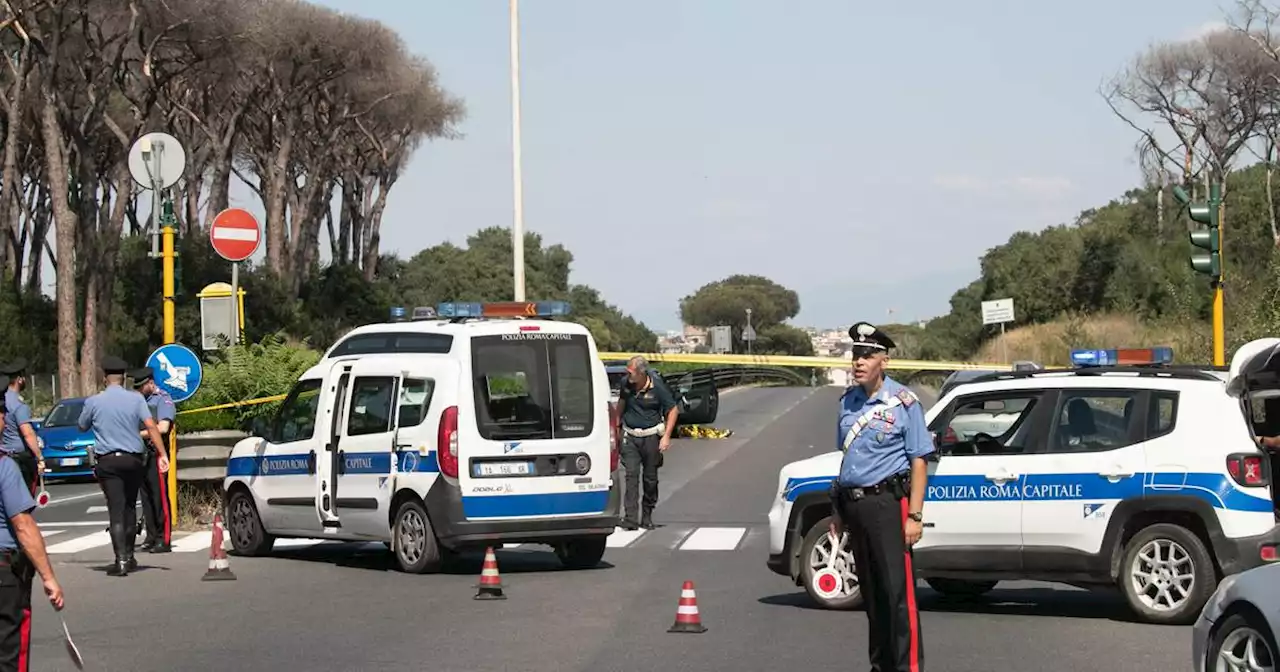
<point>58,437</point>
<point>826,465</point>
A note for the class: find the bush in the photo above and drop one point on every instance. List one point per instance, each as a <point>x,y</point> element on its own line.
<point>243,373</point>
<point>197,502</point>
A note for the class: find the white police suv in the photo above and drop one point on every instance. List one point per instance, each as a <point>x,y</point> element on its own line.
<point>469,425</point>
<point>1141,476</point>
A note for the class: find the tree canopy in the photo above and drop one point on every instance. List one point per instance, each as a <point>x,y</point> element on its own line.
<point>725,302</point>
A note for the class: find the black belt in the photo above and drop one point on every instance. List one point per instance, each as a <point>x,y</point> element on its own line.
<point>117,452</point>
<point>895,484</point>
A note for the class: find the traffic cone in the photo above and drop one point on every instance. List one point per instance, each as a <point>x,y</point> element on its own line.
<point>490,587</point>
<point>687,618</point>
<point>219,565</point>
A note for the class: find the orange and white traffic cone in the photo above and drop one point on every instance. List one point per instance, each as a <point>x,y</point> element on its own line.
<point>490,587</point>
<point>687,618</point>
<point>219,565</point>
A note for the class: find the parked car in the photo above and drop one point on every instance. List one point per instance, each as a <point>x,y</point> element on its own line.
<point>1237,628</point>
<point>65,447</point>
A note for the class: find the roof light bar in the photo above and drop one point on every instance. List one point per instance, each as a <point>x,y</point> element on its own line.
<point>424,313</point>
<point>397,313</point>
<point>504,309</point>
<point>1122,357</point>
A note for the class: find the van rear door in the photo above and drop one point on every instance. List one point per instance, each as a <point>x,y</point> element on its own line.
<point>538,441</point>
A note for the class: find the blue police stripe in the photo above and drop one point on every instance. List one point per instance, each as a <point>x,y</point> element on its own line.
<point>360,463</point>
<point>1215,489</point>
<point>507,506</point>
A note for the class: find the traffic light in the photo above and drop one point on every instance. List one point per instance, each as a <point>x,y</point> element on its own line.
<point>1208,239</point>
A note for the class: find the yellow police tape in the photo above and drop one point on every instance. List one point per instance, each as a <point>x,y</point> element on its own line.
<point>757,360</point>
<point>800,361</point>
<point>702,432</point>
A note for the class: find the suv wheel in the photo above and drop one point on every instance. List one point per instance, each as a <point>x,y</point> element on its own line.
<point>832,583</point>
<point>955,588</point>
<point>1166,574</point>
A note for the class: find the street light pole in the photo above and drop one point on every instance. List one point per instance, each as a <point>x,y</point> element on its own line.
<point>517,228</point>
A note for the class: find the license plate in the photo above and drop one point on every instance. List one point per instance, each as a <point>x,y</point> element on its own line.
<point>69,462</point>
<point>503,469</point>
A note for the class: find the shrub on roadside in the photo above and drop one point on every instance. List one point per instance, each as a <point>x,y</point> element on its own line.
<point>242,373</point>
<point>198,501</point>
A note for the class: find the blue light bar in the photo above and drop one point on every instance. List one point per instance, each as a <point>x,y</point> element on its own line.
<point>1122,357</point>
<point>397,313</point>
<point>503,309</point>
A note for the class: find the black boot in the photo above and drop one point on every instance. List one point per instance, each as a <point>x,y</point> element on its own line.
<point>121,548</point>
<point>646,521</point>
<point>160,547</point>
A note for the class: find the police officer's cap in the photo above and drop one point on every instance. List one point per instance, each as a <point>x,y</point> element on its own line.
<point>867,335</point>
<point>141,376</point>
<point>15,368</point>
<point>112,365</point>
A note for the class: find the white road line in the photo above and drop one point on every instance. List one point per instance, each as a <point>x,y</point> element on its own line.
<point>714,539</point>
<point>74,498</point>
<point>96,509</point>
<point>80,543</point>
<point>49,533</point>
<point>77,523</point>
<point>622,538</point>
<point>193,542</point>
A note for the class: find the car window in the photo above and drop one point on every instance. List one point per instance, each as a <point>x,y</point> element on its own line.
<point>296,419</point>
<point>371,403</point>
<point>1094,421</point>
<point>533,385</point>
<point>415,399</point>
<point>987,424</point>
<point>64,414</point>
<point>1162,414</point>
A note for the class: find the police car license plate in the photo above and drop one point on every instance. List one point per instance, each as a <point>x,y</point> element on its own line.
<point>503,469</point>
<point>69,462</point>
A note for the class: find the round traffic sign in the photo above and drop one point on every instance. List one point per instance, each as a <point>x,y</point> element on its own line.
<point>235,234</point>
<point>178,371</point>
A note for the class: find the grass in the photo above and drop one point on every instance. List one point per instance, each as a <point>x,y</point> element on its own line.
<point>1051,343</point>
<point>197,502</point>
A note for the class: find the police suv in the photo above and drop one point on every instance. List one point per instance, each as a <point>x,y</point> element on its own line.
<point>1141,476</point>
<point>470,425</point>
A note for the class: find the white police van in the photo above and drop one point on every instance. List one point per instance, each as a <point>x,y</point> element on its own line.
<point>1141,476</point>
<point>468,426</point>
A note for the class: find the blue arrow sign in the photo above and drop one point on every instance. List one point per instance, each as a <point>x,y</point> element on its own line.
<point>177,371</point>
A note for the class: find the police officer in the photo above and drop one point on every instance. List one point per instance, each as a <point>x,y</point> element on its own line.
<point>879,496</point>
<point>155,490</point>
<point>115,415</point>
<point>22,556</point>
<point>18,439</point>
<point>648,417</point>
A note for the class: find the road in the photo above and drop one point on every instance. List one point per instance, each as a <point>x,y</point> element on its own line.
<point>342,606</point>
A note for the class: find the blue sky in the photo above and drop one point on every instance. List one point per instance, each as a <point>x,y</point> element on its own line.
<point>863,154</point>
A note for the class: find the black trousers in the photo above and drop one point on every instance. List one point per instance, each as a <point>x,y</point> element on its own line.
<point>886,577</point>
<point>16,575</point>
<point>26,461</point>
<point>120,475</point>
<point>155,501</point>
<point>640,454</point>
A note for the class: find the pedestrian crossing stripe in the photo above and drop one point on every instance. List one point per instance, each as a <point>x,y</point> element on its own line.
<point>676,537</point>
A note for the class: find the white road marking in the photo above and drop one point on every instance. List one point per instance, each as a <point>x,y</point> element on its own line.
<point>80,543</point>
<point>193,542</point>
<point>622,538</point>
<point>74,498</point>
<point>96,509</point>
<point>49,533</point>
<point>714,539</point>
<point>77,523</point>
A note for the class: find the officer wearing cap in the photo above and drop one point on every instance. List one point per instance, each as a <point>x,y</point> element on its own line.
<point>22,556</point>
<point>115,415</point>
<point>155,487</point>
<point>18,438</point>
<point>878,498</point>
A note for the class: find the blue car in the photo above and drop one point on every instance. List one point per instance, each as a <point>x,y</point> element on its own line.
<point>65,447</point>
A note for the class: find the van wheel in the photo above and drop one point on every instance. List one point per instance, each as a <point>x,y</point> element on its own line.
<point>958,589</point>
<point>584,553</point>
<point>414,540</point>
<point>1166,575</point>
<point>244,526</point>
<point>835,589</point>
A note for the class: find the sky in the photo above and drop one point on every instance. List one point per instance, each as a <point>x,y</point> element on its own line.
<point>863,154</point>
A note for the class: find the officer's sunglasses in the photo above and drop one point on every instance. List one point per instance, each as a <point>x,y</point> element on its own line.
<point>864,352</point>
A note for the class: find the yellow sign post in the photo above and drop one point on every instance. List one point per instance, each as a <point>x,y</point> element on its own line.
<point>167,255</point>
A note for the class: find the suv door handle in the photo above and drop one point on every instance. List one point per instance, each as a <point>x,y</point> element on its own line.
<point>1115,474</point>
<point>1001,475</point>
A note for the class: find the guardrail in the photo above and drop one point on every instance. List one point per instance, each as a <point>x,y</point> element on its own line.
<point>803,362</point>
<point>202,456</point>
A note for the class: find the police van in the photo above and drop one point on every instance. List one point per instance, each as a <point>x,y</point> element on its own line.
<point>466,426</point>
<point>1123,471</point>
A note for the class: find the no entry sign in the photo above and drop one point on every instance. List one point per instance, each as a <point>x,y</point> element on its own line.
<point>235,234</point>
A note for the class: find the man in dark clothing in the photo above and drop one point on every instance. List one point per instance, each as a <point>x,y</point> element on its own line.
<point>649,414</point>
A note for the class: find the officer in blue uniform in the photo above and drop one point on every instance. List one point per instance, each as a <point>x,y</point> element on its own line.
<point>115,415</point>
<point>22,556</point>
<point>18,438</point>
<point>155,490</point>
<point>879,496</point>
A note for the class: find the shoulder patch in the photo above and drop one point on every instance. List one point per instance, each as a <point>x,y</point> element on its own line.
<point>907,396</point>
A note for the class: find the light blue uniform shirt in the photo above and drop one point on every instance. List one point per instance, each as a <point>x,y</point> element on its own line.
<point>15,498</point>
<point>116,415</point>
<point>18,414</point>
<point>161,406</point>
<point>888,442</point>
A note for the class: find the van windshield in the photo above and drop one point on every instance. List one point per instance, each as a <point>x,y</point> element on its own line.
<point>532,385</point>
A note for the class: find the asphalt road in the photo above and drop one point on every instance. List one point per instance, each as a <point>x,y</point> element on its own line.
<point>343,607</point>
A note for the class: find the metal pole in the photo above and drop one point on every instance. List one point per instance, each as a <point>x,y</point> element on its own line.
<point>517,228</point>
<point>166,234</point>
<point>1004,345</point>
<point>156,149</point>
<point>1219,321</point>
<point>235,307</point>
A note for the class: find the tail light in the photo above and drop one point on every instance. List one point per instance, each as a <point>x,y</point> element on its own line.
<point>1247,470</point>
<point>447,442</point>
<point>615,438</point>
